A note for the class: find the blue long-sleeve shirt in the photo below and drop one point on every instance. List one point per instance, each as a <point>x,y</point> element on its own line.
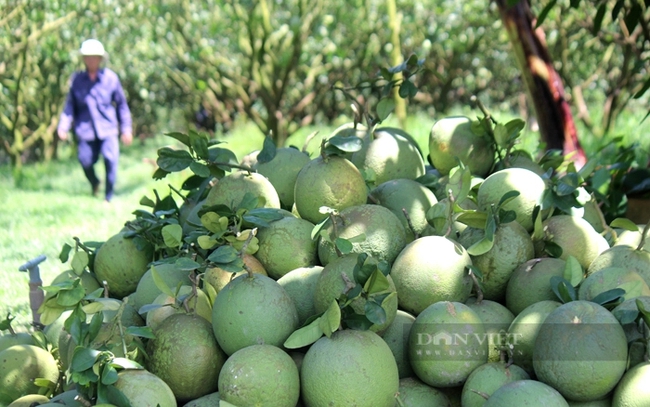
<point>96,107</point>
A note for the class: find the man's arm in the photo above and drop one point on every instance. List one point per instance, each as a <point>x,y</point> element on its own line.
<point>67,115</point>
<point>123,114</point>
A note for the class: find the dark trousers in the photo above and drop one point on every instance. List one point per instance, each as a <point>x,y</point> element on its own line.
<point>88,153</point>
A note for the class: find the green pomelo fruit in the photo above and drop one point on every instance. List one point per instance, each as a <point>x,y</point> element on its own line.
<point>19,366</point>
<point>401,195</point>
<point>282,172</point>
<point>452,139</point>
<point>594,215</point>
<point>88,280</point>
<point>300,285</point>
<point>253,310</point>
<point>17,338</point>
<point>350,368</point>
<point>250,159</point>
<point>144,389</point>
<point>286,244</point>
<point>333,182</point>
<point>606,402</point>
<point>496,320</point>
<point>580,339</point>
<point>185,354</point>
<point>29,401</point>
<point>633,389</point>
<point>575,236</point>
<point>529,393</point>
<point>337,277</point>
<point>632,238</point>
<point>121,264</point>
<point>198,304</point>
<point>531,283</point>
<point>53,330</point>
<point>530,186</point>
<point>230,190</point>
<point>260,375</point>
<point>446,343</point>
<point>403,133</point>
<point>209,400</point>
<point>486,379</point>
<point>68,398</point>
<point>384,233</point>
<point>512,246</point>
<point>397,338</point>
<point>431,269</point>
<point>610,278</point>
<point>386,155</point>
<point>218,277</point>
<point>147,291</point>
<point>520,159</point>
<point>623,256</point>
<point>524,329</point>
<point>412,393</point>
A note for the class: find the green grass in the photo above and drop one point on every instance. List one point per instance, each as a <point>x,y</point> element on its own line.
<point>51,203</point>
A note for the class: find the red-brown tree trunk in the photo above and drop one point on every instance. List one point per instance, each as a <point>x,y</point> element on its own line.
<point>543,84</point>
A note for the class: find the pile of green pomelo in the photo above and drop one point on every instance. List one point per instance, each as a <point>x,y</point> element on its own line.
<point>366,275</point>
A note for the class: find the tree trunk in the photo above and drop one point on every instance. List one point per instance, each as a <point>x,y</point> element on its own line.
<point>394,21</point>
<point>543,84</point>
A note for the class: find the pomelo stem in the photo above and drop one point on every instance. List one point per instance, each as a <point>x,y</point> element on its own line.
<point>250,237</point>
<point>399,401</point>
<point>477,287</point>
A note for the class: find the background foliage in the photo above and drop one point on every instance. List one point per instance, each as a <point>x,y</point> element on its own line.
<point>221,62</point>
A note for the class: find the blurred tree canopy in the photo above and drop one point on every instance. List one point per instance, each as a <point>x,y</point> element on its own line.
<point>275,63</point>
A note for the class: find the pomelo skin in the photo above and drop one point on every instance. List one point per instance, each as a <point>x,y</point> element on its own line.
<point>397,337</point>
<point>580,340</point>
<point>252,310</point>
<point>451,139</point>
<point>333,182</point>
<point>633,389</point>
<point>431,269</point>
<point>144,389</point>
<point>282,172</point>
<point>446,343</point>
<point>412,392</point>
<point>300,284</point>
<point>530,186</point>
<point>121,264</point>
<point>19,366</point>
<point>486,379</point>
<point>531,283</point>
<point>350,368</point>
<point>526,393</point>
<point>385,236</point>
<point>230,190</point>
<point>623,256</point>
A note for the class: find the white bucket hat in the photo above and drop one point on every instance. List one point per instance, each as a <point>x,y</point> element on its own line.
<point>92,47</point>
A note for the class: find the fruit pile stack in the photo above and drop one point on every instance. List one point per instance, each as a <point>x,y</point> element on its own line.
<point>369,275</point>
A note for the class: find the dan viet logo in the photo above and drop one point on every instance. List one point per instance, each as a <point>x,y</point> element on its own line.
<point>444,343</point>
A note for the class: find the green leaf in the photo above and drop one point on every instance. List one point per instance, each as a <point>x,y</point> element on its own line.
<point>305,336</point>
<point>83,358</point>
<point>200,169</point>
<point>356,321</point>
<point>609,296</point>
<point>268,150</point>
<point>375,313</point>
<point>633,16</point>
<point>645,315</point>
<point>95,326</point>
<point>553,249</point>
<point>223,255</point>
<point>199,143</point>
<point>507,197</point>
<point>109,375</point>
<point>384,108</point>
<point>624,223</point>
<point>407,89</point>
<point>331,319</point>
<point>70,298</point>
<point>124,363</point>
<point>473,218</point>
<point>481,247</point>
<point>65,253</point>
<point>573,271</point>
<point>172,235</point>
<point>643,90</point>
<point>625,316</point>
<point>563,289</point>
<point>160,282</point>
<point>79,262</point>
<point>140,331</point>
<point>598,20</point>
<point>633,289</point>
<point>173,160</point>
<point>544,12</point>
<point>346,144</point>
<point>183,138</point>
<point>109,394</point>
<point>377,282</point>
<point>186,264</point>
<point>344,245</point>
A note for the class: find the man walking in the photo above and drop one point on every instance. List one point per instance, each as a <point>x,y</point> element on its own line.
<point>97,108</point>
